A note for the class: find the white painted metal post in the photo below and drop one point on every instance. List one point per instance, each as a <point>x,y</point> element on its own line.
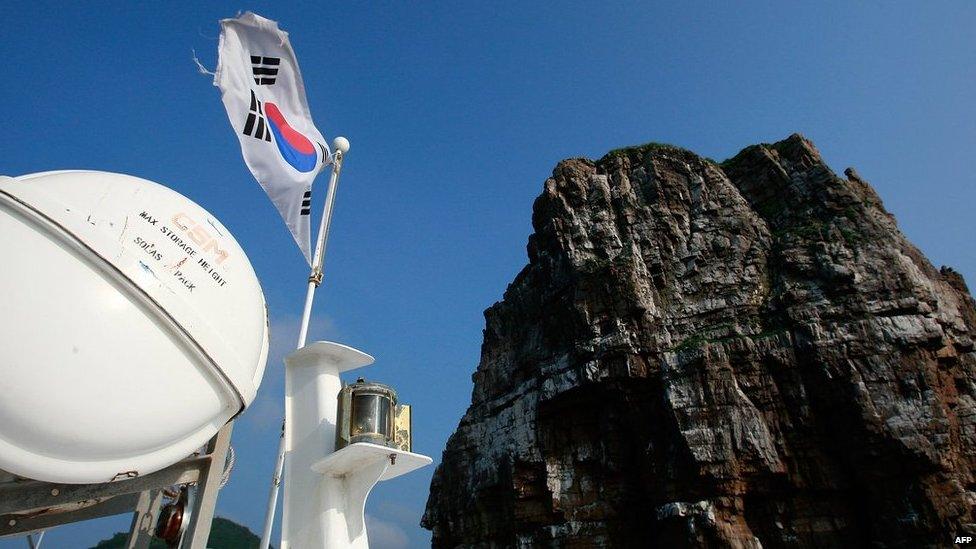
<point>35,544</point>
<point>144,519</point>
<point>325,488</point>
<point>341,145</point>
<point>317,507</point>
<point>208,486</point>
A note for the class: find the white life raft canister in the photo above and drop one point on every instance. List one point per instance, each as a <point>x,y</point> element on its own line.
<point>132,326</point>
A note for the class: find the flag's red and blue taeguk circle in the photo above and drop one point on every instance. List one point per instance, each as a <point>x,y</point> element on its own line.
<point>294,147</point>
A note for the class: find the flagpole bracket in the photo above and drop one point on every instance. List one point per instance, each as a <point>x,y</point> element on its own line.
<point>315,277</point>
<point>334,161</point>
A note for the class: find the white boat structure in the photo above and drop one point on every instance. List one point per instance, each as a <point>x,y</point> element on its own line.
<point>326,499</point>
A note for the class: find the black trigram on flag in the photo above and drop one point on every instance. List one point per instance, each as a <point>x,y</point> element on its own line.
<point>255,125</point>
<point>307,202</point>
<point>265,69</point>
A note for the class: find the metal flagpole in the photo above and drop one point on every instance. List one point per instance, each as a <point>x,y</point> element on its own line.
<point>341,145</point>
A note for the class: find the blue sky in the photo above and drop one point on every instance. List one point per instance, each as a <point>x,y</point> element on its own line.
<point>457,112</point>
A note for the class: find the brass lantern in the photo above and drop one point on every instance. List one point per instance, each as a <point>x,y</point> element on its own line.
<point>368,412</point>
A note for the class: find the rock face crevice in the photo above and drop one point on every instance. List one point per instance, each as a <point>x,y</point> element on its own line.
<point>740,354</point>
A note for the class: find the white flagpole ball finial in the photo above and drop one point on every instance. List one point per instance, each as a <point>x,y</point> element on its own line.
<point>341,144</point>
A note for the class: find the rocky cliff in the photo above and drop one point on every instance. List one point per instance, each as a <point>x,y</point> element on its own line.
<point>739,354</point>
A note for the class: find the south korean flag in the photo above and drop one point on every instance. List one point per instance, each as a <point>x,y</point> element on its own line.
<point>264,95</point>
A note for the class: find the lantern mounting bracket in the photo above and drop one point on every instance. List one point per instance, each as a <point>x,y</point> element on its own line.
<point>360,455</point>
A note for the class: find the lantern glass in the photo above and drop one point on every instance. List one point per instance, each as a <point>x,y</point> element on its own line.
<point>371,415</point>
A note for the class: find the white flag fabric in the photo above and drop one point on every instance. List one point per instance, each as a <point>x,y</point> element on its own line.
<point>264,95</point>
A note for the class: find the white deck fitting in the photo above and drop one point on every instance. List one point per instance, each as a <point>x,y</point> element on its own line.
<point>318,508</point>
<point>325,490</point>
<point>362,455</point>
<point>338,356</point>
